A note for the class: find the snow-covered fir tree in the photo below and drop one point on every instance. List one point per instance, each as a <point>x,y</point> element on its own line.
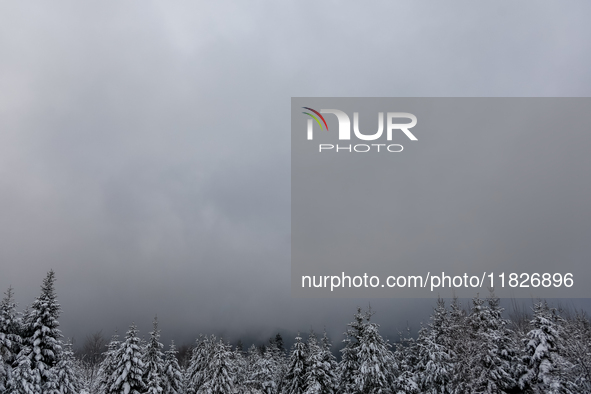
<point>10,339</point>
<point>249,384</point>
<point>128,371</point>
<point>494,360</point>
<point>192,370</point>
<point>154,362</point>
<point>375,360</point>
<point>456,341</point>
<point>25,379</point>
<point>68,372</point>
<point>42,335</point>
<point>545,367</point>
<point>279,343</point>
<point>278,360</point>
<point>367,364</point>
<point>196,373</point>
<point>219,374</point>
<point>434,368</point>
<point>240,368</point>
<point>264,371</point>
<point>320,376</point>
<point>107,367</point>
<point>173,376</point>
<point>577,344</point>
<point>406,359</point>
<point>314,365</point>
<point>349,365</point>
<point>330,365</point>
<point>295,378</point>
<point>5,366</point>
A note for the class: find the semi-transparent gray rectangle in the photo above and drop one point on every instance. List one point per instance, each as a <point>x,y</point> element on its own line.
<point>476,190</point>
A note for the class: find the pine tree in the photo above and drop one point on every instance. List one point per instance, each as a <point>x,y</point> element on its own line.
<point>68,376</point>
<point>295,378</point>
<point>279,343</point>
<point>219,375</point>
<point>276,362</point>
<point>200,358</point>
<point>107,367</point>
<point>367,364</point>
<point>263,378</point>
<point>250,384</point>
<point>5,366</point>
<point>434,369</point>
<point>173,382</point>
<point>154,362</point>
<point>320,376</point>
<point>376,361</point>
<point>349,365</point>
<point>10,339</point>
<point>191,372</point>
<point>330,365</point>
<point>239,347</point>
<point>545,366</point>
<point>315,366</point>
<point>478,360</point>
<point>459,347</point>
<point>42,334</point>
<point>25,379</point>
<point>493,348</point>
<point>472,373</point>
<point>406,359</point>
<point>127,377</point>
<point>576,349</point>
<point>240,368</point>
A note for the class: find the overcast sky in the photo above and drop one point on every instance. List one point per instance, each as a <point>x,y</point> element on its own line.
<point>145,146</point>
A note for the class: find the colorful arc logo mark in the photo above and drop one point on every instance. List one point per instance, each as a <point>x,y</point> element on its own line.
<point>315,118</point>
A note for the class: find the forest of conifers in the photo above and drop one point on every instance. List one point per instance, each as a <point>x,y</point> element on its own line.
<point>472,350</point>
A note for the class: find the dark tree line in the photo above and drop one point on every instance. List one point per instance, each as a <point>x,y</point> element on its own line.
<point>471,349</point>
